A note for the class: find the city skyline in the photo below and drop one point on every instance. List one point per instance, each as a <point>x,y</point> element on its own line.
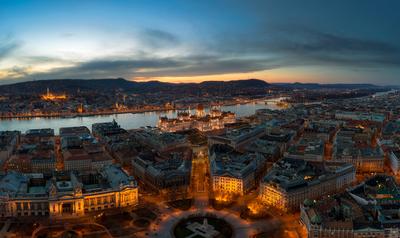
<point>179,41</point>
<point>199,119</point>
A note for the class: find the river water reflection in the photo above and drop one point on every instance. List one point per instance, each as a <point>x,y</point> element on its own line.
<point>127,120</point>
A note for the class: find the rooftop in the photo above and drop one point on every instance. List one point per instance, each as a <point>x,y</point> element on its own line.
<point>372,204</point>
<point>25,185</point>
<point>307,146</point>
<point>74,131</point>
<point>227,162</point>
<point>160,166</point>
<point>107,129</point>
<point>45,132</point>
<point>290,174</point>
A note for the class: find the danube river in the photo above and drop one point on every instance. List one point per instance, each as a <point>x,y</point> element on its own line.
<point>127,120</point>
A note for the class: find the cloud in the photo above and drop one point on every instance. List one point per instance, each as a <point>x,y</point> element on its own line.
<point>155,38</point>
<point>316,47</point>
<point>198,66</point>
<point>135,64</point>
<point>185,66</point>
<point>38,60</point>
<point>278,47</point>
<point>297,45</point>
<point>105,68</point>
<point>7,46</point>
<point>16,72</point>
<point>306,39</point>
<point>67,35</point>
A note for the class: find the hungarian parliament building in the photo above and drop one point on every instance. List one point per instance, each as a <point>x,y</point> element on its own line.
<point>214,120</point>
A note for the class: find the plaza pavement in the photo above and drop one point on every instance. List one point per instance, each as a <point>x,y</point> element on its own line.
<point>242,228</point>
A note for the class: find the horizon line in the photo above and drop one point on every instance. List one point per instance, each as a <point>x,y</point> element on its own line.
<point>199,82</point>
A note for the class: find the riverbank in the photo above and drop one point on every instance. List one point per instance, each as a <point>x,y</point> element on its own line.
<point>29,116</point>
<point>126,120</point>
<point>83,114</point>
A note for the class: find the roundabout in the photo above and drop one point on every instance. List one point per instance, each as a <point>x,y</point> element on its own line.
<point>207,221</point>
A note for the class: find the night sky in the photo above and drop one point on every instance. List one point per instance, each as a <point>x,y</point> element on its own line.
<point>340,41</point>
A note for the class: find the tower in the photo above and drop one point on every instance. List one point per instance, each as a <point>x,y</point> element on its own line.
<point>200,111</point>
<point>80,108</point>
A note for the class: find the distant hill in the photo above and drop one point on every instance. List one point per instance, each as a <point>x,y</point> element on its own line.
<point>69,85</point>
<point>234,87</point>
<point>326,86</point>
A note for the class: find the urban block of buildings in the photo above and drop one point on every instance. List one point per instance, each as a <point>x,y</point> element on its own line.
<point>360,116</point>
<point>81,151</point>
<point>354,145</point>
<point>35,152</point>
<point>290,181</point>
<point>8,144</point>
<point>370,209</point>
<point>163,173</point>
<point>162,141</point>
<point>311,148</point>
<point>234,172</point>
<point>117,141</point>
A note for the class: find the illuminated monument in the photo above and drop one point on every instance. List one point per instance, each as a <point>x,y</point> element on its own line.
<point>214,120</point>
<point>51,97</point>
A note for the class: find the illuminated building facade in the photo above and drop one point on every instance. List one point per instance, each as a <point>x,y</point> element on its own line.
<point>233,172</point>
<point>291,181</point>
<point>51,96</point>
<point>66,193</point>
<point>228,183</point>
<point>215,120</point>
